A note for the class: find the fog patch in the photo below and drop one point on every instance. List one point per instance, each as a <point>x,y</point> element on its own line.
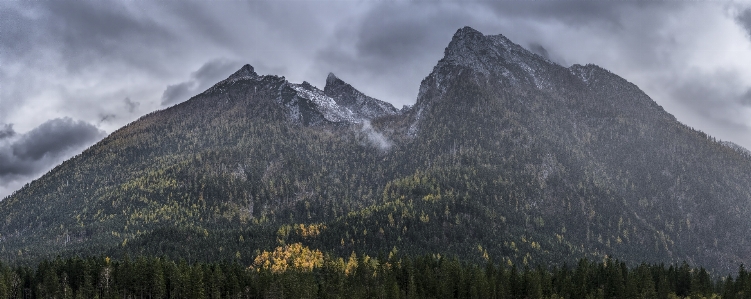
<point>374,137</point>
<point>539,50</point>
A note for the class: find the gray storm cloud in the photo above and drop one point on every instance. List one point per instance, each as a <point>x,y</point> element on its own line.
<point>206,76</point>
<point>30,154</point>
<point>6,131</point>
<point>744,18</point>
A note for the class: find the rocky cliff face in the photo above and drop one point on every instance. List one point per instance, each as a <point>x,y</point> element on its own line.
<point>363,106</point>
<point>304,103</point>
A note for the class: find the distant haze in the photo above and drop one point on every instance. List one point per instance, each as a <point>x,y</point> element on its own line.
<point>73,71</point>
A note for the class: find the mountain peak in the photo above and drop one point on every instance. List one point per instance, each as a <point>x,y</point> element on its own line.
<point>464,40</point>
<point>335,83</point>
<point>471,48</point>
<point>245,71</point>
<point>467,39</point>
<point>332,79</point>
<point>467,32</point>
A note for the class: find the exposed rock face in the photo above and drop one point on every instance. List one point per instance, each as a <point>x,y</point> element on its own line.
<point>362,106</point>
<point>304,103</point>
<point>246,71</point>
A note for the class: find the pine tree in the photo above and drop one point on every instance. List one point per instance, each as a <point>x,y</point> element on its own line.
<point>196,285</point>
<point>4,278</point>
<point>158,283</point>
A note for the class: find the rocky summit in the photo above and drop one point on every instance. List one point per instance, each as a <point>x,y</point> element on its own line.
<point>505,156</point>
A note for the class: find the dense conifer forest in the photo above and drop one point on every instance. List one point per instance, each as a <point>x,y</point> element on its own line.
<point>295,271</point>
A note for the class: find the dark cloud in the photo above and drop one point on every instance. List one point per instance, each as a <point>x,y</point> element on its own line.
<point>744,19</point>
<point>38,150</point>
<point>11,168</point>
<point>206,76</point>
<point>6,131</point>
<point>83,32</point>
<point>93,30</point>
<point>55,137</point>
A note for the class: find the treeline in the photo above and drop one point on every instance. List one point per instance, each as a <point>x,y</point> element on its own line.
<point>428,276</point>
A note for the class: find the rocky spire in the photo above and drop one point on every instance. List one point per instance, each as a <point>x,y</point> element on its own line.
<point>332,80</point>
<point>245,71</point>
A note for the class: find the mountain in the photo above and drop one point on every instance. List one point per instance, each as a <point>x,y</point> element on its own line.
<point>504,156</point>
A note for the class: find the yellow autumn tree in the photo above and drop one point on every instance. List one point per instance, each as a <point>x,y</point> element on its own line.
<point>289,257</point>
<point>309,231</point>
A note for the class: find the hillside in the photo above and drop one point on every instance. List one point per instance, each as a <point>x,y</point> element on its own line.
<point>504,156</point>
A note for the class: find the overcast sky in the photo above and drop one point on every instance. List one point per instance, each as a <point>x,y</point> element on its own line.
<point>72,72</point>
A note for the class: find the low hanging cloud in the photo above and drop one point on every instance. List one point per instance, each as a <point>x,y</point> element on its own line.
<point>374,137</point>
<point>539,50</point>
<point>206,76</point>
<point>55,137</point>
<point>26,156</point>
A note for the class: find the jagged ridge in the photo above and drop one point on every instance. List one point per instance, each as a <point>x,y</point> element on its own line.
<point>363,106</point>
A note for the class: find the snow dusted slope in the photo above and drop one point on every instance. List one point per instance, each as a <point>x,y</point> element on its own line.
<point>308,105</point>
<point>304,101</point>
<point>362,105</point>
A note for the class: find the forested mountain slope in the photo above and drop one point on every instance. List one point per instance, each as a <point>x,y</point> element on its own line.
<point>505,156</point>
